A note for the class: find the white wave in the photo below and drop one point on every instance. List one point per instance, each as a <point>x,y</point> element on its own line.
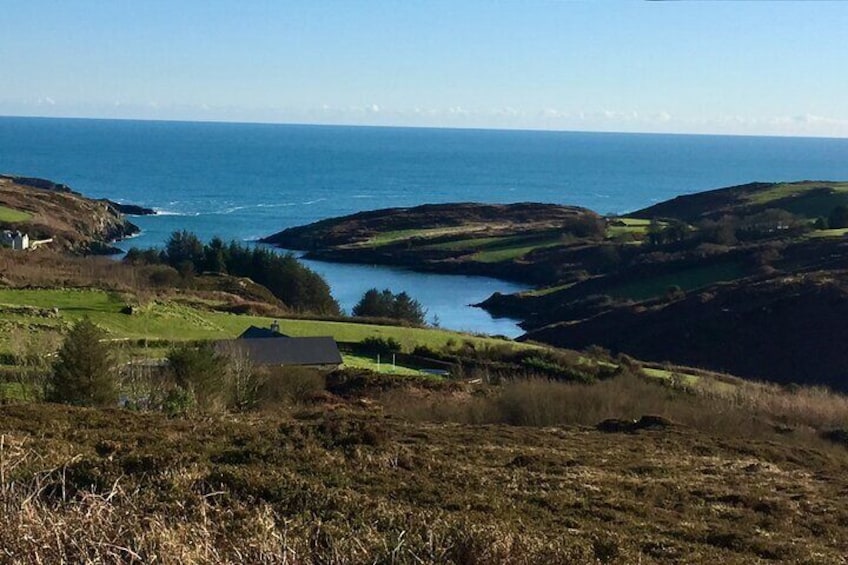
<point>161,212</point>
<point>310,202</point>
<point>232,209</point>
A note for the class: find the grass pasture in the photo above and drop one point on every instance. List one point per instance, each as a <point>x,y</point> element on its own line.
<point>782,191</point>
<point>839,232</point>
<point>689,279</point>
<point>396,236</point>
<point>172,321</point>
<point>385,366</point>
<point>12,216</point>
<point>633,226</point>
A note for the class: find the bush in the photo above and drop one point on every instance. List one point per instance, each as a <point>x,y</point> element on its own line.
<point>84,370</point>
<point>380,345</point>
<point>199,370</point>
<point>289,385</point>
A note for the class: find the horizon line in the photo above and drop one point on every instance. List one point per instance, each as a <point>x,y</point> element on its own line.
<point>419,127</point>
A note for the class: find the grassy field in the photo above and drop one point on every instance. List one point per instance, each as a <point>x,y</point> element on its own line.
<point>389,237</point>
<point>687,280</point>
<point>385,366</point>
<point>634,226</point>
<point>546,290</point>
<point>485,249</point>
<point>787,190</point>
<point>168,320</point>
<point>513,250</point>
<point>13,216</point>
<point>839,232</point>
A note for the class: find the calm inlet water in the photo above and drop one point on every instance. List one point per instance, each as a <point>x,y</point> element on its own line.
<point>245,181</point>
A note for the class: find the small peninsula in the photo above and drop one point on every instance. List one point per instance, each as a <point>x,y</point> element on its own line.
<point>52,213</point>
<point>457,238</point>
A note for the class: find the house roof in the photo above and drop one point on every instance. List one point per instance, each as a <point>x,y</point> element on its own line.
<point>290,350</point>
<point>255,332</point>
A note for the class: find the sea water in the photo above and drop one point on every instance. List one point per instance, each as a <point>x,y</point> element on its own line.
<point>245,181</point>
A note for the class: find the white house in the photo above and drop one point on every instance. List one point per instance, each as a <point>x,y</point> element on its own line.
<point>14,239</point>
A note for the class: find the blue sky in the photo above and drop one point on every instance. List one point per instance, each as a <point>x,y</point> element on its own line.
<point>775,68</point>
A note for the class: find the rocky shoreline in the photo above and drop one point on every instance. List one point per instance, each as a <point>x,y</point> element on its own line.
<point>69,220</point>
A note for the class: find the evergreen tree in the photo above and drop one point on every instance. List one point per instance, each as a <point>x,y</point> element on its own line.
<point>297,286</point>
<point>84,371</point>
<point>200,371</point>
<point>184,247</point>
<point>407,308</point>
<point>385,304</point>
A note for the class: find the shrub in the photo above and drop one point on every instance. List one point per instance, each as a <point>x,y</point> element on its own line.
<point>242,379</point>
<point>289,385</point>
<point>380,345</point>
<point>201,371</point>
<point>84,370</point>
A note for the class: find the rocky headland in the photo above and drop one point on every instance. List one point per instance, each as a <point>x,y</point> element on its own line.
<point>46,210</point>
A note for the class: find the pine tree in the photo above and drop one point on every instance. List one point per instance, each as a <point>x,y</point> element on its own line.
<point>84,370</point>
<point>385,304</point>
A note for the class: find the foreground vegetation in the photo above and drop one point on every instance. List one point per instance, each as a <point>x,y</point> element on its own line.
<point>363,472</point>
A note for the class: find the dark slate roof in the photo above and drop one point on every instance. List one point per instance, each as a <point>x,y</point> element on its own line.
<point>255,332</point>
<point>291,350</point>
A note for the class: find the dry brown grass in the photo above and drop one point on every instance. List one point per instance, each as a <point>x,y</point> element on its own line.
<point>355,487</point>
<point>752,409</point>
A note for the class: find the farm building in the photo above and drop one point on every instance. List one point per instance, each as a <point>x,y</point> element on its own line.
<point>266,346</point>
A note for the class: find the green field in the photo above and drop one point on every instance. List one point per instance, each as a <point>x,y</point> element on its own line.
<point>389,237</point>
<point>13,216</point>
<point>545,291</point>
<point>689,279</point>
<point>513,247</point>
<point>804,199</point>
<point>370,363</point>
<point>171,321</point>
<point>839,232</point>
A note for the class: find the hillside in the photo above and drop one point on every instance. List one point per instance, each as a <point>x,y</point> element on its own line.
<point>467,238</point>
<point>677,281</point>
<point>810,199</point>
<point>45,210</point>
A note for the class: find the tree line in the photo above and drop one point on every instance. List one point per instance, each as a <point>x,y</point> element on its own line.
<point>297,286</point>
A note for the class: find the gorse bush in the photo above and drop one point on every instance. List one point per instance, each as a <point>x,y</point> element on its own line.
<point>84,370</point>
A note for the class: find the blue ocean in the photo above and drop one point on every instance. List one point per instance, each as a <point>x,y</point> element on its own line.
<point>245,181</point>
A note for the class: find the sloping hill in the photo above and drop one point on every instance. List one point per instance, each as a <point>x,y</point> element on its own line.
<point>44,209</point>
<point>809,199</point>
